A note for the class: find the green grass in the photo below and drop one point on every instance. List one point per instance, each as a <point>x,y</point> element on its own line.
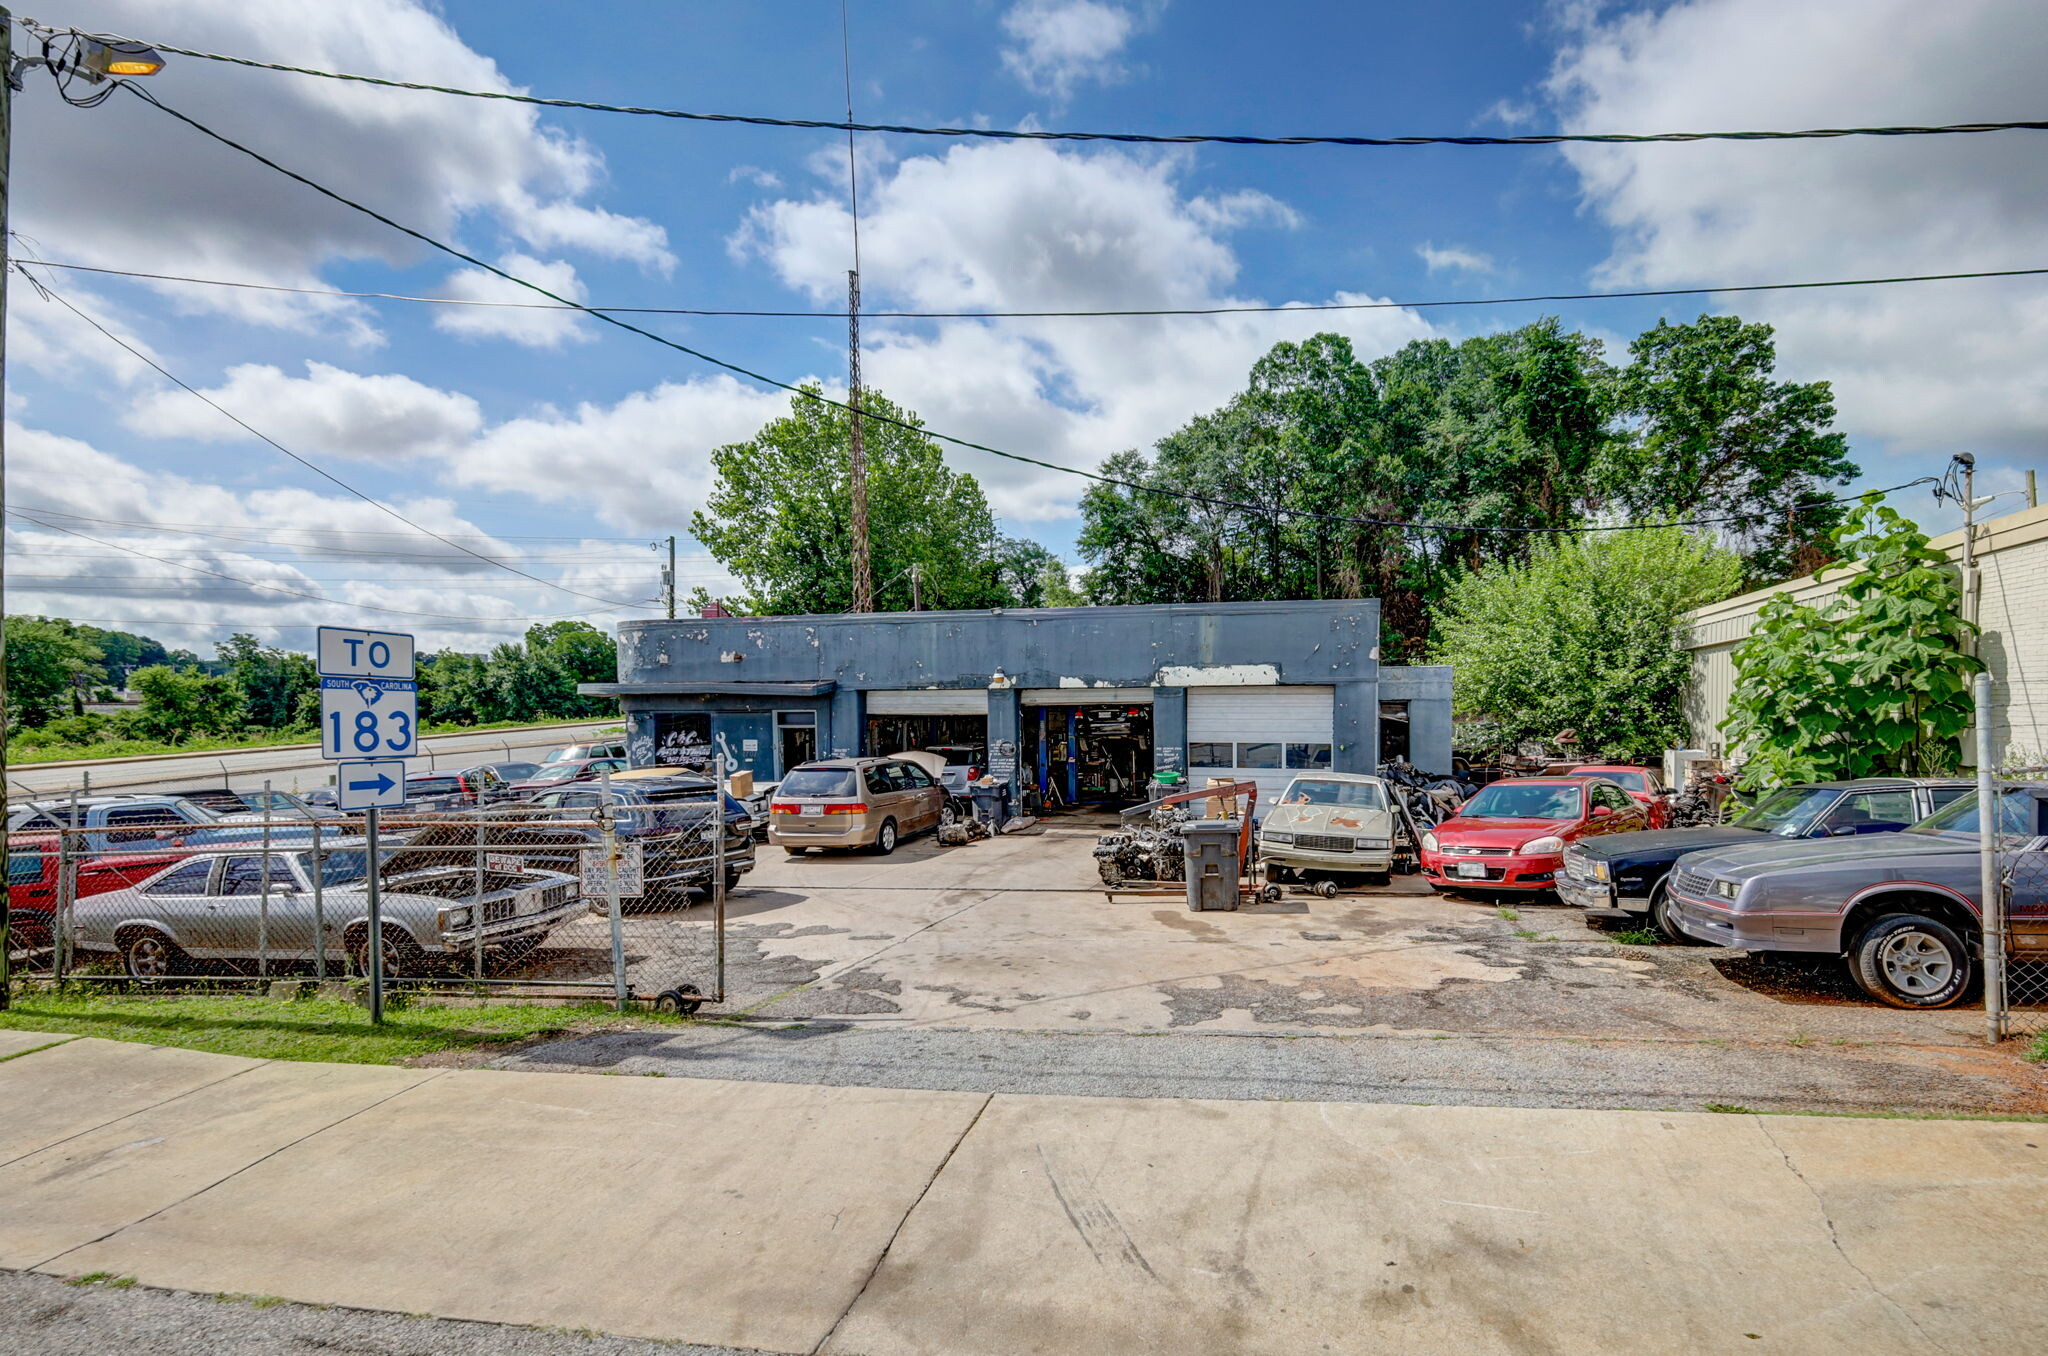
<point>306,1029</point>
<point>1505,912</point>
<point>2037,1051</point>
<point>19,753</point>
<point>1635,937</point>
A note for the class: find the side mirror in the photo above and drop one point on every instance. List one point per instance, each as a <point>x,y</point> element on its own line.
<point>1272,800</point>
<point>1601,812</point>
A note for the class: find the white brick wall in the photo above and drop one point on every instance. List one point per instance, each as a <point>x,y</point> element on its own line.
<point>2012,553</point>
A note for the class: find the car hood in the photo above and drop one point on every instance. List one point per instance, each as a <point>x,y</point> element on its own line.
<point>1498,832</point>
<point>1670,843</point>
<point>1744,861</point>
<point>1328,819</point>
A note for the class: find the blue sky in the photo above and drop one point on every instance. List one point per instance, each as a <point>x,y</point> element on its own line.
<point>565,447</point>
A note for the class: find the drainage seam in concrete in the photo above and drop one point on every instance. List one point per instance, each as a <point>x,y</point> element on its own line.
<point>38,1049</point>
<point>896,1232</point>
<point>190,1196</point>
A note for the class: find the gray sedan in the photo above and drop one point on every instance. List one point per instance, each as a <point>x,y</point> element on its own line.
<point>218,908</point>
<point>1901,909</point>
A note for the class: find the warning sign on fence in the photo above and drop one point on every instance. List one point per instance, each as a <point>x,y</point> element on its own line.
<point>597,879</point>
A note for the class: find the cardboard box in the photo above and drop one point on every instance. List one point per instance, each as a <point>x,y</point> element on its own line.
<point>1220,807</point>
<point>739,785</point>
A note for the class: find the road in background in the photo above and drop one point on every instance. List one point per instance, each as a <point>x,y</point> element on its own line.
<point>297,768</point>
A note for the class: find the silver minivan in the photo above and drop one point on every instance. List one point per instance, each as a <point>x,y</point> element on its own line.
<point>853,803</point>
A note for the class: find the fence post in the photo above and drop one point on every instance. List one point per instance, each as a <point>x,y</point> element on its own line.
<point>611,859</point>
<point>476,910</point>
<point>263,894</point>
<point>60,922</point>
<point>319,908</point>
<point>1991,898</point>
<point>718,873</point>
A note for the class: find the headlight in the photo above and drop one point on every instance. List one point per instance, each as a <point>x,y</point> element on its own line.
<point>1603,871</point>
<point>1278,837</point>
<point>1428,842</point>
<point>1373,844</point>
<point>1727,889</point>
<point>456,918</point>
<point>1537,846</point>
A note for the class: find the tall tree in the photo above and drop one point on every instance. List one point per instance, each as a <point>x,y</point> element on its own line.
<point>46,659</point>
<point>280,688</point>
<point>1708,427</point>
<point>777,514</point>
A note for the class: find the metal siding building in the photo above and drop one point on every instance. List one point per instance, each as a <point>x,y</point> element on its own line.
<point>1054,696</point>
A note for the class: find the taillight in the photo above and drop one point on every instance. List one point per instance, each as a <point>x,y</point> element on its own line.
<point>783,807</point>
<point>973,774</point>
<point>850,807</point>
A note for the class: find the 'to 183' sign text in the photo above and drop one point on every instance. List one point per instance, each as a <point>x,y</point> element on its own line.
<point>368,717</point>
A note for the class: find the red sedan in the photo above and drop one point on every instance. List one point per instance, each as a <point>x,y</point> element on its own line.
<point>1512,835</point>
<point>1645,785</point>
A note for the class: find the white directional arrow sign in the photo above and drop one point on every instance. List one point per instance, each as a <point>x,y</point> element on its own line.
<point>378,782</point>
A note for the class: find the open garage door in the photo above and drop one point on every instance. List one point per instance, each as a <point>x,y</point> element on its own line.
<point>1258,734</point>
<point>951,721</point>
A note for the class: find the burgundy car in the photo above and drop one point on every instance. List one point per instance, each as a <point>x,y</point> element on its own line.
<point>557,775</point>
<point>1512,835</point>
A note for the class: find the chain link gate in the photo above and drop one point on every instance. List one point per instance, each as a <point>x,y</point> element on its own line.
<point>2020,1005</point>
<point>497,902</point>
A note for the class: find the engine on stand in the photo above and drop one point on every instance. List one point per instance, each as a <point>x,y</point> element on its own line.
<point>1151,849</point>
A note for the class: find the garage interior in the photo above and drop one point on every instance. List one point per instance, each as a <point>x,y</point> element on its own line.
<point>1096,755</point>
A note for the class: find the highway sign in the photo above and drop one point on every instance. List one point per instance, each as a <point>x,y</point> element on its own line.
<point>346,652</point>
<point>379,782</point>
<point>369,718</point>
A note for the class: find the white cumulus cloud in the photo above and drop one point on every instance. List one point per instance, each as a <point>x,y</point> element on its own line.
<point>329,411</point>
<point>1057,44</point>
<point>528,324</point>
<point>1456,257</point>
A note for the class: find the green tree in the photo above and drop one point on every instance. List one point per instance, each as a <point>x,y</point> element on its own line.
<point>1871,681</point>
<point>280,688</point>
<point>46,659</point>
<point>178,705</point>
<point>1707,427</point>
<point>778,513</point>
<point>1584,636</point>
<point>455,689</point>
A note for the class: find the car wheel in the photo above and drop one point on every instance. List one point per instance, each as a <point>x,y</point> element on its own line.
<point>1661,921</point>
<point>150,956</point>
<point>403,958</point>
<point>1911,961</point>
<point>885,838</point>
<point>794,851</point>
<point>949,814</point>
<point>732,881</point>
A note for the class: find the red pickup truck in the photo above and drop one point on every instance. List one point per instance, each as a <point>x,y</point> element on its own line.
<point>33,861</point>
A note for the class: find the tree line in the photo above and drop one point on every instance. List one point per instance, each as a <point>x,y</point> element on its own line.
<point>53,665</point>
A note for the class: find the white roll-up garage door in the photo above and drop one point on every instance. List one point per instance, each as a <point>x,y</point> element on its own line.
<point>929,701</point>
<point>1258,734</point>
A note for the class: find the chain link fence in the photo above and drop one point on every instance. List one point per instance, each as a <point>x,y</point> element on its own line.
<point>513,900</point>
<point>2020,1001</point>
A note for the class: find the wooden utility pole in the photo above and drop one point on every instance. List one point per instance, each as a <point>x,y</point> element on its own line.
<point>857,453</point>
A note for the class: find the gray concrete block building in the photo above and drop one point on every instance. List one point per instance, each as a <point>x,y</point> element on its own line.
<point>1084,704</point>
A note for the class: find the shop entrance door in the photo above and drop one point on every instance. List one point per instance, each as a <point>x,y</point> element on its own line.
<point>796,739</point>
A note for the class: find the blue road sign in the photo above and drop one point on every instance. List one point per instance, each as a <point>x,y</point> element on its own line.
<point>378,782</point>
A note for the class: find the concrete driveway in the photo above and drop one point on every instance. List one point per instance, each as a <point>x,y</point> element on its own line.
<point>1011,938</point>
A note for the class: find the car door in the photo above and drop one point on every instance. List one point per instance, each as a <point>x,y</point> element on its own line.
<point>1877,811</point>
<point>179,900</point>
<point>1623,811</point>
<point>239,920</point>
<point>930,796</point>
<point>912,787</point>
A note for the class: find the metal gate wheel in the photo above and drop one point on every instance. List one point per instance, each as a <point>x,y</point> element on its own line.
<point>1271,894</point>
<point>684,999</point>
<point>1327,889</point>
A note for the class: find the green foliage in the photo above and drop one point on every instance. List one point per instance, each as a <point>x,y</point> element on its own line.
<point>280,688</point>
<point>178,705</point>
<point>1709,428</point>
<point>778,516</point>
<point>1584,636</point>
<point>1528,428</point>
<point>1871,681</point>
<point>46,659</point>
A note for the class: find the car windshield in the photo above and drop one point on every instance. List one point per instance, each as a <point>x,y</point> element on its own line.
<point>517,772</point>
<point>340,866</point>
<point>818,781</point>
<point>1314,791</point>
<point>430,786</point>
<point>1511,800</point>
<point>560,772</point>
<point>1788,813</point>
<point>2019,816</point>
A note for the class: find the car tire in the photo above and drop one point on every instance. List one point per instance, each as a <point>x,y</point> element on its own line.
<point>403,958</point>
<point>794,851</point>
<point>1663,924</point>
<point>1275,875</point>
<point>1377,879</point>
<point>1908,960</point>
<point>949,814</point>
<point>885,838</point>
<point>732,880</point>
<point>149,956</point>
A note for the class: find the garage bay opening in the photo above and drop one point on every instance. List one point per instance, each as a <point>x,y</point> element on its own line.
<point>1090,755</point>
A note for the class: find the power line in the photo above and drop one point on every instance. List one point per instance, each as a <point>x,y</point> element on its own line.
<point>298,593</point>
<point>1137,138</point>
<point>1280,309</point>
<point>1264,510</point>
<point>169,376</point>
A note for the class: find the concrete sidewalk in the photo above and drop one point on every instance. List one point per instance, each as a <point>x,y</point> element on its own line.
<point>792,1218</point>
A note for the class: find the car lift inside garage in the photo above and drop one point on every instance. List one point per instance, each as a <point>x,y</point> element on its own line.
<point>1091,755</point>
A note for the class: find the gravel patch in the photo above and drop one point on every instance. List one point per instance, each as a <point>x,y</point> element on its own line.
<point>47,1316</point>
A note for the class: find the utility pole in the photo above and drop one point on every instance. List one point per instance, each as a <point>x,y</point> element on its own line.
<point>6,264</point>
<point>1972,585</point>
<point>668,580</point>
<point>863,572</point>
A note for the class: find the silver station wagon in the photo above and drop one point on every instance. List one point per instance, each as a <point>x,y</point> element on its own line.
<point>218,908</point>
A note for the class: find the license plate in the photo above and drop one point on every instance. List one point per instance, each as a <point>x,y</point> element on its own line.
<point>1474,870</point>
<point>809,811</point>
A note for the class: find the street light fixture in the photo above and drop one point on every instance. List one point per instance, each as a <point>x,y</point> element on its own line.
<point>97,59</point>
